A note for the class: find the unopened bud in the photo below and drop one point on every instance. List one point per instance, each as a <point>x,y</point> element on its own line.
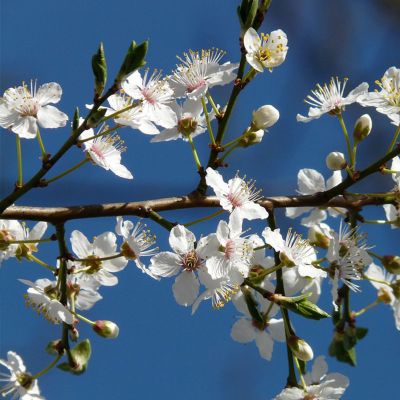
<point>265,117</point>
<point>251,137</point>
<point>55,347</point>
<point>106,329</point>
<point>336,161</point>
<point>317,237</point>
<point>362,127</point>
<point>300,348</point>
<point>391,264</point>
<point>74,334</point>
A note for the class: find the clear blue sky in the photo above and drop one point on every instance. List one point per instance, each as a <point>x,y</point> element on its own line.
<point>162,350</point>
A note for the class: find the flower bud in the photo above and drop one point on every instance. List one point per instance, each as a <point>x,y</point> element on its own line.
<point>362,127</point>
<point>106,329</point>
<point>251,137</point>
<point>300,348</point>
<point>336,161</point>
<point>265,117</point>
<point>317,237</point>
<point>391,264</point>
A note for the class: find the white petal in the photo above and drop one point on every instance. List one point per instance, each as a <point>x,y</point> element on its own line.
<point>251,40</point>
<point>186,288</point>
<point>105,244</point>
<point>243,331</point>
<point>49,93</point>
<point>277,329</point>
<point>251,210</point>
<point>121,171</point>
<point>215,180</point>
<point>310,181</point>
<point>165,264</point>
<point>51,117</point>
<point>25,127</point>
<point>80,244</point>
<point>319,369</point>
<point>265,345</point>
<point>37,231</point>
<point>181,239</point>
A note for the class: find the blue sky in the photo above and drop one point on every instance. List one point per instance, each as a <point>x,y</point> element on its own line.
<point>162,350</point>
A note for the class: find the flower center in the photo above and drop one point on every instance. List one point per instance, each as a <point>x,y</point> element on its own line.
<point>93,263</point>
<point>187,126</point>
<point>196,85</point>
<point>28,107</point>
<point>97,151</point>
<point>25,380</point>
<point>230,249</point>
<point>128,252</point>
<point>191,261</point>
<point>148,96</point>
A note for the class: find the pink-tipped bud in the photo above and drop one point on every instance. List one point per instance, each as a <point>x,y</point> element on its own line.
<point>106,329</point>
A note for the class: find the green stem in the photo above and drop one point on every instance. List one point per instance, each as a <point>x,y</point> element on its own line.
<point>377,256</point>
<point>42,148</point>
<point>42,263</point>
<point>194,152</point>
<point>214,107</point>
<point>154,216</point>
<point>394,140</point>
<point>346,136</point>
<point>50,239</point>
<point>98,259</point>
<point>197,221</point>
<point>116,113</point>
<point>66,172</point>
<point>303,383</point>
<point>20,181</point>
<point>378,221</point>
<point>389,171</point>
<point>232,142</point>
<point>49,367</point>
<point>368,307</point>
<point>84,319</point>
<point>226,154</point>
<point>250,75</point>
<point>355,146</point>
<point>210,131</point>
<point>106,132</point>
<point>368,278</point>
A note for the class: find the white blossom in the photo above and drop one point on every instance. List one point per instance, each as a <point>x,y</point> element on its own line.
<point>200,71</point>
<point>138,242</point>
<point>246,329</point>
<point>42,296</point>
<point>237,196</point>
<point>269,51</point>
<point>319,385</point>
<point>330,99</point>
<point>386,291</point>
<point>18,383</point>
<point>294,251</point>
<point>155,94</point>
<point>190,121</point>
<point>94,270</point>
<point>185,262</point>
<point>22,109</point>
<point>310,181</point>
<point>392,214</point>
<point>387,100</point>
<point>105,151</point>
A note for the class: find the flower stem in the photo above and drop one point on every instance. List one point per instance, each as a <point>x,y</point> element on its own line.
<point>98,259</point>
<point>84,319</point>
<point>346,136</point>
<point>66,172</point>
<point>234,141</point>
<point>368,278</point>
<point>197,221</point>
<point>303,383</point>
<point>49,367</point>
<point>50,239</point>
<point>42,263</point>
<point>122,110</point>
<point>20,181</point>
<point>378,221</point>
<point>368,307</point>
<point>42,148</point>
<point>210,131</point>
<point>194,152</point>
<point>214,107</point>
<point>393,142</point>
<point>226,154</point>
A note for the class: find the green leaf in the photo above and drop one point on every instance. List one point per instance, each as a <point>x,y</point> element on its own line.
<point>75,122</point>
<point>134,59</point>
<point>99,67</point>
<point>80,355</point>
<point>361,333</point>
<point>247,12</point>
<point>302,306</point>
<point>96,117</point>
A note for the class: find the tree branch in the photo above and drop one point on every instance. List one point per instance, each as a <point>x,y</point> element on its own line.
<point>144,208</point>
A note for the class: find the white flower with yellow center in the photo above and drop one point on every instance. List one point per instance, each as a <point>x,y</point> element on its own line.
<point>138,242</point>
<point>190,122</point>
<point>155,94</point>
<point>22,109</point>
<point>237,196</point>
<point>387,100</point>
<point>101,259</point>
<point>200,71</point>
<point>330,99</point>
<point>294,251</point>
<point>105,151</point>
<point>18,383</point>
<point>186,261</point>
<point>269,51</point>
<point>43,297</point>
